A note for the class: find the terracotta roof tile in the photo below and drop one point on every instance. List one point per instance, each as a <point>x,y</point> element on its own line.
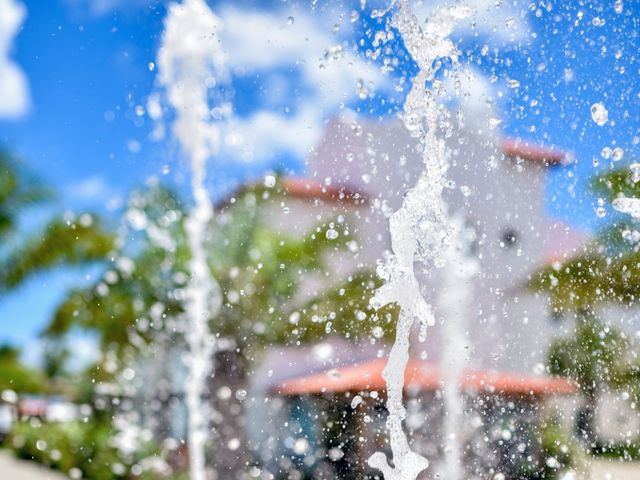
<point>517,148</point>
<point>422,375</point>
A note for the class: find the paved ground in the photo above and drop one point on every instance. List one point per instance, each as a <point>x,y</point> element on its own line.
<point>604,470</point>
<point>12,469</point>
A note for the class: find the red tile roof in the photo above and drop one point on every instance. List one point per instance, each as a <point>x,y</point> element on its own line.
<point>517,148</point>
<point>367,376</point>
<point>306,188</point>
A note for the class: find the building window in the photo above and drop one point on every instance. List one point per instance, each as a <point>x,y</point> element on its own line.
<point>509,238</point>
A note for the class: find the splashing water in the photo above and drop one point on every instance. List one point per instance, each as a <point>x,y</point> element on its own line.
<point>190,64</point>
<point>628,205</point>
<point>455,304</point>
<point>419,229</point>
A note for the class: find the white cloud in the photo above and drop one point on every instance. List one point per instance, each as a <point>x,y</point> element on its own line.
<point>14,88</point>
<point>331,75</point>
<point>264,134</point>
<point>89,188</point>
<point>500,21</point>
<point>98,8</point>
<point>475,98</point>
<point>475,94</point>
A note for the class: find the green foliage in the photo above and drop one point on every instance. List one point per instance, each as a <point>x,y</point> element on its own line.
<point>260,271</point>
<point>87,446</point>
<point>623,452</point>
<point>16,376</point>
<point>559,450</point>
<point>18,190</point>
<point>614,183</point>
<point>61,242</point>
<point>597,355</point>
<point>70,241</point>
<point>609,269</point>
<point>594,356</point>
<point>577,284</point>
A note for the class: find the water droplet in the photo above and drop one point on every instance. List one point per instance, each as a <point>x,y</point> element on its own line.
<point>599,113</point>
<point>618,6</point>
<point>270,181</point>
<point>136,219</point>
<point>635,172</point>
<point>617,154</point>
<point>224,393</point>
<point>628,205</point>
<point>494,122</point>
<point>377,332</point>
<point>152,66</point>
<point>291,20</point>
<point>357,400</point>
<point>75,473</point>
<point>133,146</point>
<point>335,454</point>
<point>513,83</point>
<point>332,234</point>
<point>333,374</point>
<point>300,446</point>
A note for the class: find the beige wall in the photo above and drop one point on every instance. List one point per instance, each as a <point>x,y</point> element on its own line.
<point>509,328</point>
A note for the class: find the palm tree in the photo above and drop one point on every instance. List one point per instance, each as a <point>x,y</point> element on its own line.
<point>137,307</point>
<point>16,376</point>
<point>63,241</point>
<point>72,240</point>
<point>607,272</point>
<point>260,272</point>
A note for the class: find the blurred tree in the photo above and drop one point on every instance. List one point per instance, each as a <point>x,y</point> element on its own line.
<point>260,272</point>
<point>607,272</point>
<point>596,356</point>
<point>16,376</point>
<point>63,241</point>
<point>74,240</point>
<point>277,289</point>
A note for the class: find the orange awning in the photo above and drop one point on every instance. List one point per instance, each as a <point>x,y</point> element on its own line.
<point>421,375</point>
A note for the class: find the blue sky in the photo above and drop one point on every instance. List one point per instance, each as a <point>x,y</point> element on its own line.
<point>87,69</point>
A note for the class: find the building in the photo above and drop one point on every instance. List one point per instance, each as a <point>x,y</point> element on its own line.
<point>359,173</point>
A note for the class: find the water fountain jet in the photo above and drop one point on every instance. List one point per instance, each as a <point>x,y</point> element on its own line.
<point>420,229</point>
<point>190,61</point>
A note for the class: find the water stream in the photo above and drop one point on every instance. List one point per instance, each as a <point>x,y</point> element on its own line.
<point>420,230</point>
<point>455,304</point>
<point>190,66</point>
